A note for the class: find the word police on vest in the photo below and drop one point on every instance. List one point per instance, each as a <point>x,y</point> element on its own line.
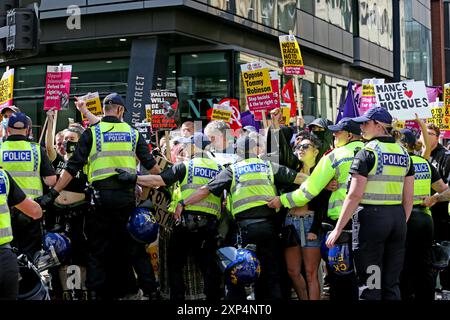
<point>420,167</point>
<point>116,137</point>
<point>16,156</point>
<point>205,172</point>
<point>257,167</point>
<point>393,159</point>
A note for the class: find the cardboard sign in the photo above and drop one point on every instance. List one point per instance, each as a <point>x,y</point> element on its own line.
<point>368,99</point>
<point>57,87</point>
<point>161,201</point>
<point>93,104</point>
<point>162,162</point>
<point>145,129</point>
<point>257,86</point>
<point>441,116</point>
<point>7,89</point>
<point>222,112</point>
<point>164,105</point>
<point>403,99</point>
<point>292,57</point>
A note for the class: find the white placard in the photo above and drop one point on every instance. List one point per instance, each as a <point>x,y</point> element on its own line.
<point>404,99</point>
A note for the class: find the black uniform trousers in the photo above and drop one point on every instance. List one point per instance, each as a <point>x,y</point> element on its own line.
<point>9,274</point>
<point>109,262</point>
<point>266,236</point>
<point>441,221</point>
<point>342,287</point>
<point>27,233</point>
<point>417,280</point>
<point>380,234</point>
<point>202,242</point>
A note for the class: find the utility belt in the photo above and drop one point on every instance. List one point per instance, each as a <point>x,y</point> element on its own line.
<point>111,183</point>
<point>309,214</point>
<point>194,222</point>
<point>5,246</point>
<point>74,209</point>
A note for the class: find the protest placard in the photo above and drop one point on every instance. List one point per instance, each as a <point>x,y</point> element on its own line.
<point>291,55</point>
<point>275,82</point>
<point>93,104</point>
<point>447,95</point>
<point>145,128</point>
<point>164,105</point>
<point>440,117</point>
<point>368,99</point>
<point>7,89</point>
<point>257,86</point>
<point>404,99</point>
<point>161,202</point>
<point>285,114</point>
<point>220,114</point>
<point>57,87</point>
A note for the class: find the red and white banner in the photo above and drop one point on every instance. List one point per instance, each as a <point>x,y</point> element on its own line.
<point>57,87</point>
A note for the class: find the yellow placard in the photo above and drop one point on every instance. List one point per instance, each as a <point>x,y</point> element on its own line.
<point>257,82</point>
<point>285,115</point>
<point>368,90</point>
<point>220,114</point>
<point>291,55</point>
<point>441,118</point>
<point>7,88</point>
<point>148,113</point>
<point>447,95</point>
<point>399,124</point>
<point>93,104</point>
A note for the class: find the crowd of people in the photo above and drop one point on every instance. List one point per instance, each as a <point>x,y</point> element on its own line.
<point>360,195</point>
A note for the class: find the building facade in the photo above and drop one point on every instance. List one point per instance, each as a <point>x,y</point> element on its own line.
<point>196,47</point>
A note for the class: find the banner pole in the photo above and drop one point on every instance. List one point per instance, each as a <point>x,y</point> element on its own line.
<point>44,128</point>
<point>166,135</point>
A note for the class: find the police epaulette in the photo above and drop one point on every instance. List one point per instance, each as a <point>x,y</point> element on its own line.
<point>372,144</point>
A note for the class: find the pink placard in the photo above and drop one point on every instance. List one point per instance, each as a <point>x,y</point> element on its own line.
<point>57,87</point>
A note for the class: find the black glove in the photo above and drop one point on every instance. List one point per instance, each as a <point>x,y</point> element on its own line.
<point>48,198</point>
<point>126,177</point>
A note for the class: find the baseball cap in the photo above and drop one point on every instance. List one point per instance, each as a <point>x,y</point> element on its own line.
<point>12,108</point>
<point>249,129</point>
<point>408,136</point>
<point>18,120</point>
<point>245,143</point>
<point>346,124</point>
<point>114,98</point>
<point>378,114</point>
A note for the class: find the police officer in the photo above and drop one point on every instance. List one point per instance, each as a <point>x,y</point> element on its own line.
<point>417,280</point>
<point>332,168</point>
<point>383,183</point>
<point>198,230</point>
<point>108,145</point>
<point>27,162</point>
<point>11,196</point>
<point>251,184</point>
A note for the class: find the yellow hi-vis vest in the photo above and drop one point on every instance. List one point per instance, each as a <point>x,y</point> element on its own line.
<point>422,180</point>
<point>113,146</point>
<point>335,165</point>
<point>198,173</point>
<point>385,180</point>
<point>6,234</point>
<point>22,160</point>
<point>252,186</point>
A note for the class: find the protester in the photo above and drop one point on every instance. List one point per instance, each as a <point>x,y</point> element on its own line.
<point>6,113</point>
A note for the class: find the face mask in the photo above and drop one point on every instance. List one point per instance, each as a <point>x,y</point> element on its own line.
<point>70,146</point>
<point>319,134</point>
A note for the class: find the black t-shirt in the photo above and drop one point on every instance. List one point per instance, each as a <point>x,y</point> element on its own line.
<point>46,167</point>
<point>175,173</point>
<point>365,160</point>
<point>78,183</point>
<point>15,195</point>
<point>435,176</point>
<point>223,181</point>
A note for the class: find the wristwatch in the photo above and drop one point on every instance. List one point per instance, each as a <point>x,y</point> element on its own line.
<point>182,203</point>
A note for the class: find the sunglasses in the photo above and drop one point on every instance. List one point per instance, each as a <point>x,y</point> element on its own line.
<point>433,134</point>
<point>304,146</point>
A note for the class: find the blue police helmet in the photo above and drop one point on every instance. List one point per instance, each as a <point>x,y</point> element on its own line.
<point>337,257</point>
<point>241,266</point>
<point>60,243</point>
<point>142,225</point>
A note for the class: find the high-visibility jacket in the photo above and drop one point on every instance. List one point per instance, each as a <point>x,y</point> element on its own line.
<point>385,180</point>
<point>335,165</point>
<point>198,173</point>
<point>422,180</point>
<point>252,185</point>
<point>22,160</point>
<point>113,146</point>
<point>6,234</point>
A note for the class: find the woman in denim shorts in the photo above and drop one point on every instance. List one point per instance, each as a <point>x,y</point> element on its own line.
<point>303,244</point>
